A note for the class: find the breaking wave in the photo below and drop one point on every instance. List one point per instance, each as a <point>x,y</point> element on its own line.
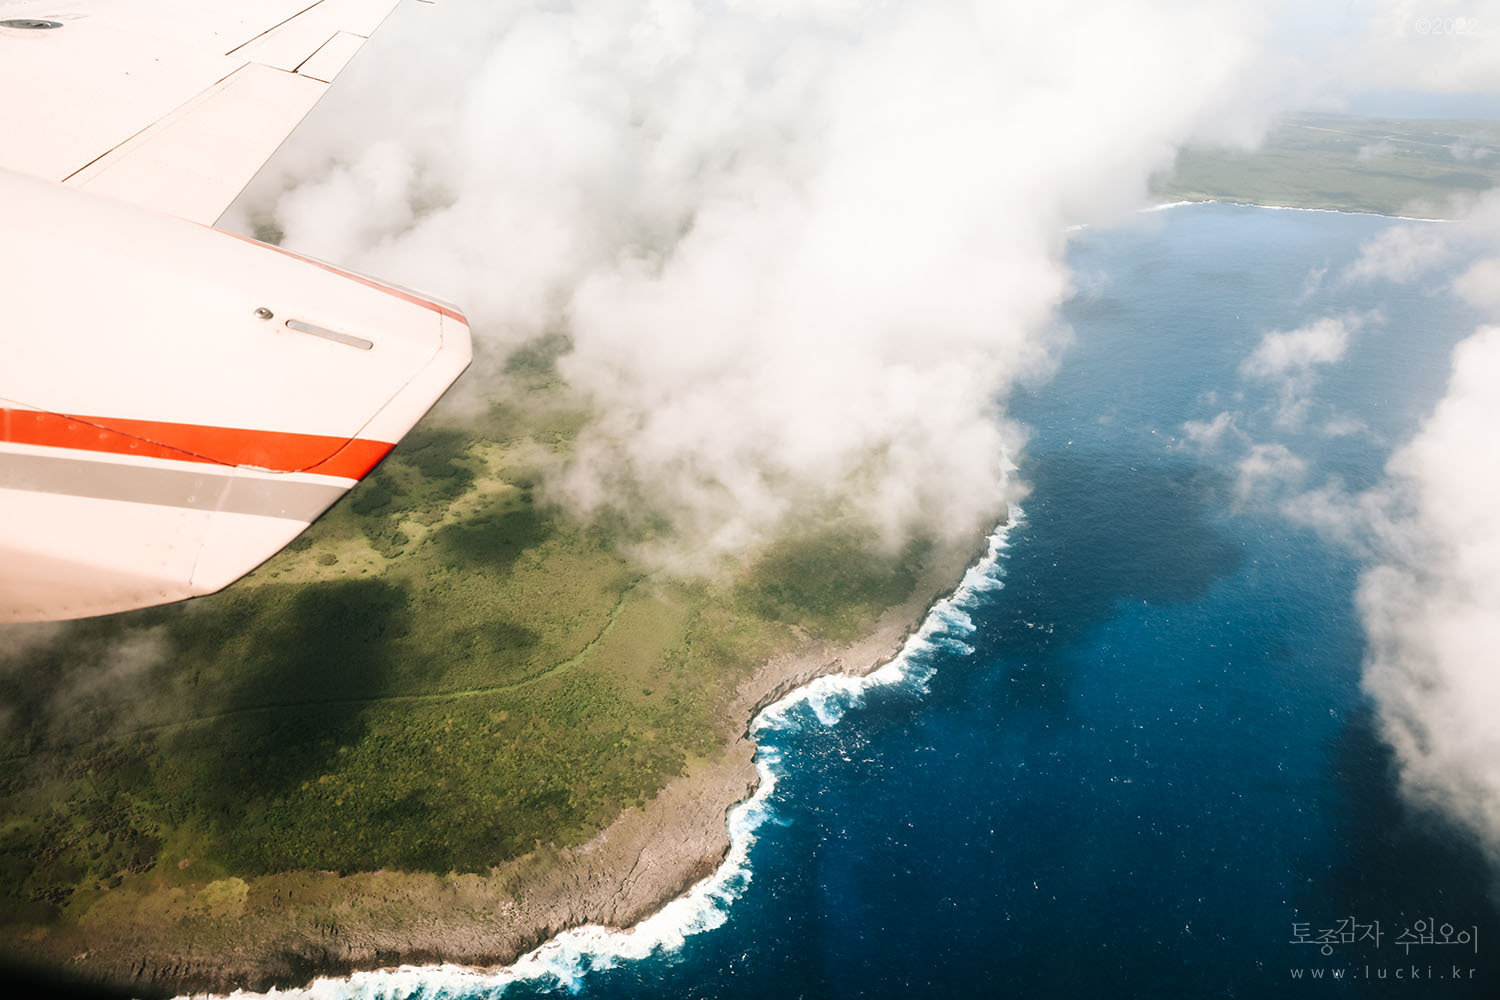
<point>944,629</point>
<point>567,959</point>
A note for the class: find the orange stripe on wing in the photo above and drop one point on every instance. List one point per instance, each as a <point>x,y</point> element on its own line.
<point>279,451</point>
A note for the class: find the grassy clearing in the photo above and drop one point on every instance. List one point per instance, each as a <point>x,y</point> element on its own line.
<point>441,675</point>
<point>1426,168</point>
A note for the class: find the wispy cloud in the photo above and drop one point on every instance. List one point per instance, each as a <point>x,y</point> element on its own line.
<point>1480,283</point>
<point>63,679</point>
<point>1402,254</point>
<point>1469,151</point>
<point>1417,251</point>
<point>1375,151</point>
<point>1284,353</point>
<point>1289,360</point>
<point>1209,434</point>
<point>1268,470</point>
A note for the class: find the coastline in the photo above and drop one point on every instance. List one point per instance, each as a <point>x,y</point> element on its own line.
<point>569,956</point>
<point>287,931</point>
<point>1179,202</point>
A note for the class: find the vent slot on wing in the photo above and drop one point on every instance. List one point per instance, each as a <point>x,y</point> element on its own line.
<point>347,339</point>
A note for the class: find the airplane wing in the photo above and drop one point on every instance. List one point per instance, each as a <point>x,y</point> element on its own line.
<point>168,104</point>
<point>176,402</point>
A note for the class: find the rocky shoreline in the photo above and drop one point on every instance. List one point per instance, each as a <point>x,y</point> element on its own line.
<point>286,930</point>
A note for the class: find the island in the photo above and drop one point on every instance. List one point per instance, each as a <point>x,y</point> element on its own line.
<point>452,719</point>
<point>1422,168</point>
<point>448,722</point>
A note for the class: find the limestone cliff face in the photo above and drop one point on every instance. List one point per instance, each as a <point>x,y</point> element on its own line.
<point>329,925</point>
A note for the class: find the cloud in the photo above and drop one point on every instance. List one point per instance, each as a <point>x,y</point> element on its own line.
<point>1369,523</point>
<point>1480,283</point>
<point>1402,254</point>
<point>1416,251</point>
<point>17,644</point>
<point>801,251</point>
<point>1267,469</point>
<point>1470,151</point>
<point>1209,434</point>
<point>1375,151</point>
<point>1289,359</point>
<point>68,679</point>
<point>1344,426</point>
<point>19,641</point>
<point>1283,353</point>
<point>1432,607</point>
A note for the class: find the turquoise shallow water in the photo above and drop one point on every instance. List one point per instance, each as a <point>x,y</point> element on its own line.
<point>1133,758</point>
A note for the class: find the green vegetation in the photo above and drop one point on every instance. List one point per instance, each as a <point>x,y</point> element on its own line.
<point>1426,168</point>
<point>831,582</point>
<point>442,674</point>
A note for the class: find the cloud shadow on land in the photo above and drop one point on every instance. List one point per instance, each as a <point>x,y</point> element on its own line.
<point>317,654</point>
<point>1402,863</point>
<point>1102,529</point>
<point>494,538</point>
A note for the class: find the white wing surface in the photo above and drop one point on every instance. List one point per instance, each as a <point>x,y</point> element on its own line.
<point>168,104</point>
<point>176,402</point>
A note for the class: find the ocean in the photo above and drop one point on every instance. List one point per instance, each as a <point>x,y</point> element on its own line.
<point>1131,756</point>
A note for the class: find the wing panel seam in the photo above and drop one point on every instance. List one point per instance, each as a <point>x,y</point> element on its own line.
<point>273,27</point>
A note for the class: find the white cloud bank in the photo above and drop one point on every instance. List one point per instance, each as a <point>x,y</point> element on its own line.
<point>801,250</point>
<point>1433,614</point>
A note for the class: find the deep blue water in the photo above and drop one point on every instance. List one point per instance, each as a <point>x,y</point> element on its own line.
<point>1152,757</point>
